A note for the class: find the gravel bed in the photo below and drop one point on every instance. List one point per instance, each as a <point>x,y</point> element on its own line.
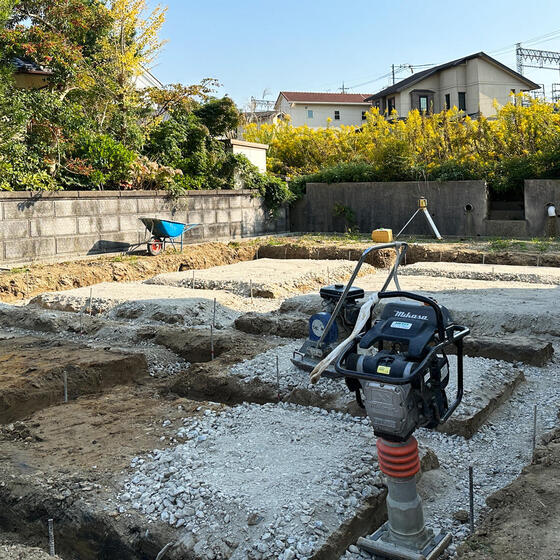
<point>263,367</point>
<point>268,278</point>
<point>501,272</point>
<point>258,482</point>
<point>484,379</point>
<point>498,452</point>
<point>142,302</point>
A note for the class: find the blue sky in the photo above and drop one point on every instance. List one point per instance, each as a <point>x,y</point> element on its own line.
<point>305,45</point>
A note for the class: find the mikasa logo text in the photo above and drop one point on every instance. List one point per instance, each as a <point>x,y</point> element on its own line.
<point>408,315</point>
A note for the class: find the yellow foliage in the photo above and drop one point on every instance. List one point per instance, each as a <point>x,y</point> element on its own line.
<point>520,128</point>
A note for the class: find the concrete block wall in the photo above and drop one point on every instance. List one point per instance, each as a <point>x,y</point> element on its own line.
<point>50,225</point>
<point>457,207</point>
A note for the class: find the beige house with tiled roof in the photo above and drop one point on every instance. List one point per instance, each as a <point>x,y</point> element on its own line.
<point>471,84</point>
<point>314,109</point>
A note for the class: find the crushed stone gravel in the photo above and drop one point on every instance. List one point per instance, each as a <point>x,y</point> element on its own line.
<point>263,367</point>
<point>501,272</point>
<point>240,486</point>
<point>267,278</point>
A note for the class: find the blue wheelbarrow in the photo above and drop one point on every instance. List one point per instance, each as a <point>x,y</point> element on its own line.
<point>163,232</point>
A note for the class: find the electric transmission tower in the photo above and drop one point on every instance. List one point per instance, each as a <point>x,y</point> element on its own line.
<point>547,60</point>
<point>537,57</point>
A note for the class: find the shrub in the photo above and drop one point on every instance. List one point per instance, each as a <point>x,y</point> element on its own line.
<point>110,160</point>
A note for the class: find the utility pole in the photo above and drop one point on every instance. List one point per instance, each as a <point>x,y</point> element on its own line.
<point>393,72</point>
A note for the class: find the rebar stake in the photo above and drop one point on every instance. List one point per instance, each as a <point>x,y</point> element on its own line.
<point>471,499</point>
<point>278,377</point>
<point>51,537</point>
<point>534,432</point>
<point>90,300</point>
<point>65,380</point>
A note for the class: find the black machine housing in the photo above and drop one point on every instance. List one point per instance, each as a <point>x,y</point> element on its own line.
<point>400,366</point>
<point>350,308</point>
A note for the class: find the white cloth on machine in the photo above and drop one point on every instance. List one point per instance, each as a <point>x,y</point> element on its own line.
<point>363,316</point>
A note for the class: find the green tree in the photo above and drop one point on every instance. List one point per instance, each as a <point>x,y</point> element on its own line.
<point>220,116</point>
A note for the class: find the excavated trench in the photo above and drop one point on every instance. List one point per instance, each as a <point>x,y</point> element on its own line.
<point>87,530</point>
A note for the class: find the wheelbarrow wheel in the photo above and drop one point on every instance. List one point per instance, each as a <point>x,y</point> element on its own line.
<point>155,246</point>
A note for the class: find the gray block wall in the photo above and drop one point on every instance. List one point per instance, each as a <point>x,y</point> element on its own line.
<point>50,225</point>
<point>457,207</point>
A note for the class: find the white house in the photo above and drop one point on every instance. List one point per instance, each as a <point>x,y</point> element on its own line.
<point>471,84</point>
<point>314,109</point>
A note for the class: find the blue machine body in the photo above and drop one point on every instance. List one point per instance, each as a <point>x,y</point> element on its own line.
<point>317,325</point>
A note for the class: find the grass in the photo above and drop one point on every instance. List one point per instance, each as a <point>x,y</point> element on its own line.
<point>483,244</point>
<point>133,259</point>
<point>499,244</point>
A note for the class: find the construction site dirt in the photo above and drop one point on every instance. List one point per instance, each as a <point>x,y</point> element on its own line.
<point>188,432</point>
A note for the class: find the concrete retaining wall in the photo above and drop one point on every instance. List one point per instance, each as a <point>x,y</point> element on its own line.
<point>539,192</point>
<point>457,207</point>
<point>39,226</point>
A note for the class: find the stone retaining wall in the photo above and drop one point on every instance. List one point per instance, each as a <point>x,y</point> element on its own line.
<point>48,225</point>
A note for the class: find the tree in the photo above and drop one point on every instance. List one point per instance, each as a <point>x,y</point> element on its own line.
<point>220,116</point>
<point>59,34</point>
<point>127,51</point>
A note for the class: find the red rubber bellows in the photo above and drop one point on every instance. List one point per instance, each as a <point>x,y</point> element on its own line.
<point>401,461</point>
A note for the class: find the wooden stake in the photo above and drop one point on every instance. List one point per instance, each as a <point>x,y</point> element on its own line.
<point>65,380</point>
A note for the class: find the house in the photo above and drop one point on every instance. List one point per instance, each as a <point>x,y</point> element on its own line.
<point>29,75</point>
<point>471,84</point>
<point>147,80</point>
<point>315,109</point>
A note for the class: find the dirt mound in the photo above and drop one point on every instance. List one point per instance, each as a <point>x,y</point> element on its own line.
<point>23,283</point>
<point>525,520</point>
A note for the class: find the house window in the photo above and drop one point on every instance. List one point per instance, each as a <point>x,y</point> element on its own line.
<point>390,105</point>
<point>363,115</point>
<point>423,103</point>
<point>462,101</point>
<point>448,101</point>
<point>337,115</point>
<point>309,113</point>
